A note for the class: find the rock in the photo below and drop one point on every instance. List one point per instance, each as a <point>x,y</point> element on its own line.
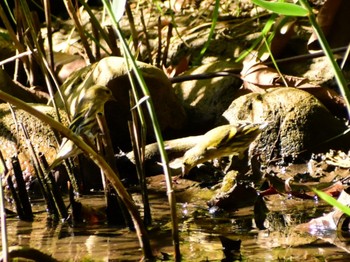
<point>26,94</point>
<point>205,100</point>
<point>112,72</point>
<point>298,122</point>
<point>174,148</point>
<point>13,141</point>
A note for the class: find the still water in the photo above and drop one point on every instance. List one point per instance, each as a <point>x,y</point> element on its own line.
<point>199,233</point>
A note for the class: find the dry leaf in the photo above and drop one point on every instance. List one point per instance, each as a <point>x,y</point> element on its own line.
<point>181,67</point>
<point>334,20</point>
<point>258,77</point>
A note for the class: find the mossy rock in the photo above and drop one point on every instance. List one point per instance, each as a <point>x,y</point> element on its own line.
<point>12,139</point>
<point>297,123</point>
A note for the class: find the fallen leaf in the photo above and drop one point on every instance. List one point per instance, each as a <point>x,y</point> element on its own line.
<point>334,21</point>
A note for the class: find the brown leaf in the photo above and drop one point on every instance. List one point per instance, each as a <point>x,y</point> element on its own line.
<point>181,67</point>
<point>257,77</point>
<point>334,20</point>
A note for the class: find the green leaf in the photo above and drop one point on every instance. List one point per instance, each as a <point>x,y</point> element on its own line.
<point>118,8</point>
<point>265,31</point>
<point>282,8</point>
<point>332,201</point>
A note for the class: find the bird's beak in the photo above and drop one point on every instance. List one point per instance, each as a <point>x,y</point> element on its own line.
<point>185,170</point>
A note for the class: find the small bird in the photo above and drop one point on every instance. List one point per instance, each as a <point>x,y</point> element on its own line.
<point>84,121</point>
<point>221,141</point>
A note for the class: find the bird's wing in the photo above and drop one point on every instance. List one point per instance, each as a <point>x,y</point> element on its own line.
<point>67,149</point>
<point>77,120</point>
<point>219,137</point>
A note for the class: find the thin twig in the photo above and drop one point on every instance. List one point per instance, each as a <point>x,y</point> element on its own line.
<point>159,51</point>
<point>72,13</point>
<point>109,155</point>
<point>22,191</point>
<point>148,46</point>
<point>47,9</point>
<point>166,49</point>
<point>133,31</point>
<point>13,58</point>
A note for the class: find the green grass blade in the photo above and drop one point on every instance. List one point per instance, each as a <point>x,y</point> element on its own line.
<point>282,8</point>
<point>332,201</point>
<point>211,33</point>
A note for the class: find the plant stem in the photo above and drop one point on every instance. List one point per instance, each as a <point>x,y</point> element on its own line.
<point>100,162</point>
<point>156,128</point>
<point>157,132</point>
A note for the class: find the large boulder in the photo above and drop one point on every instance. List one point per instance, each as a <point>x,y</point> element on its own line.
<point>206,99</point>
<point>297,123</point>
<point>113,73</point>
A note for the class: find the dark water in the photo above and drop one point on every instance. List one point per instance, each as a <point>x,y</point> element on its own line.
<point>199,233</point>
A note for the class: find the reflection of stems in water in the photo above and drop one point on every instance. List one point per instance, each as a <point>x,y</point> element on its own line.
<point>129,58</point>
<point>99,161</point>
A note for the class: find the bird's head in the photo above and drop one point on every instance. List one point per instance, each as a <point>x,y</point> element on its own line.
<point>99,93</point>
<point>221,141</point>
